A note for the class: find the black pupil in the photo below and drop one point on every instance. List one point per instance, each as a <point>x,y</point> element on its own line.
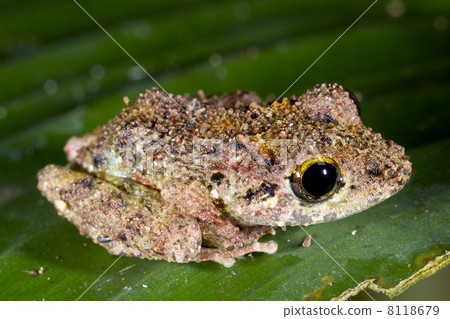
<point>319,178</point>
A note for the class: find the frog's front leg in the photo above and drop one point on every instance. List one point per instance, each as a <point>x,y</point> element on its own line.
<point>223,240</point>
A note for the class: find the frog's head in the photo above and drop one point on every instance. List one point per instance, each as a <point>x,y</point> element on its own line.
<point>327,166</point>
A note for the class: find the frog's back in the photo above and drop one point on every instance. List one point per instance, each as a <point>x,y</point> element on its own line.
<point>163,127</point>
<point>185,118</point>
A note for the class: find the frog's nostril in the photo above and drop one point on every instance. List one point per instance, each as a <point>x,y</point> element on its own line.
<point>390,173</point>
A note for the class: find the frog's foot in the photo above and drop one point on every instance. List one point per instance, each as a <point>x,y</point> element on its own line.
<point>226,258</point>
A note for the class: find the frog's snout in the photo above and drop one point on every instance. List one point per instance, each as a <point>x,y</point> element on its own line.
<point>398,174</point>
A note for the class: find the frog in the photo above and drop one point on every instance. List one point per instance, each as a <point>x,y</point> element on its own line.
<point>198,178</point>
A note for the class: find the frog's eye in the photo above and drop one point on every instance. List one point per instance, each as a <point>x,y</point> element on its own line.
<point>316,180</point>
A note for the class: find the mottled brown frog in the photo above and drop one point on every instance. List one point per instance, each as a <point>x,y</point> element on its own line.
<point>203,178</point>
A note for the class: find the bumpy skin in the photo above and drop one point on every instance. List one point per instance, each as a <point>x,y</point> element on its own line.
<point>203,178</point>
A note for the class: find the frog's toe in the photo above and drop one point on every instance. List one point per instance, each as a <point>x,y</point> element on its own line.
<point>268,247</point>
<point>228,262</point>
<point>271,247</point>
<point>227,258</point>
<point>221,257</point>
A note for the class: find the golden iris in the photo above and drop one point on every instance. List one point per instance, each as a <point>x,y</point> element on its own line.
<point>316,179</point>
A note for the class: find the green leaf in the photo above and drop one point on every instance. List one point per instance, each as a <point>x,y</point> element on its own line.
<point>53,87</point>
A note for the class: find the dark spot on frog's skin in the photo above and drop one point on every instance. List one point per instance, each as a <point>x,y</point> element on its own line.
<point>122,237</point>
<point>217,178</point>
<point>340,183</point>
<point>254,115</point>
<point>405,171</point>
<point>246,108</point>
<point>375,171</point>
<point>269,161</point>
<point>126,135</point>
<point>103,240</point>
<point>327,118</point>
<point>85,182</point>
<point>268,188</point>
<point>150,124</point>
<point>218,203</point>
<point>125,127</point>
<point>352,186</point>
<point>327,140</point>
<point>98,160</point>
<point>251,193</point>
<point>265,188</point>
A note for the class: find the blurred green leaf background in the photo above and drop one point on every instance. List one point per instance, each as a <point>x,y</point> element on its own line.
<point>61,75</point>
